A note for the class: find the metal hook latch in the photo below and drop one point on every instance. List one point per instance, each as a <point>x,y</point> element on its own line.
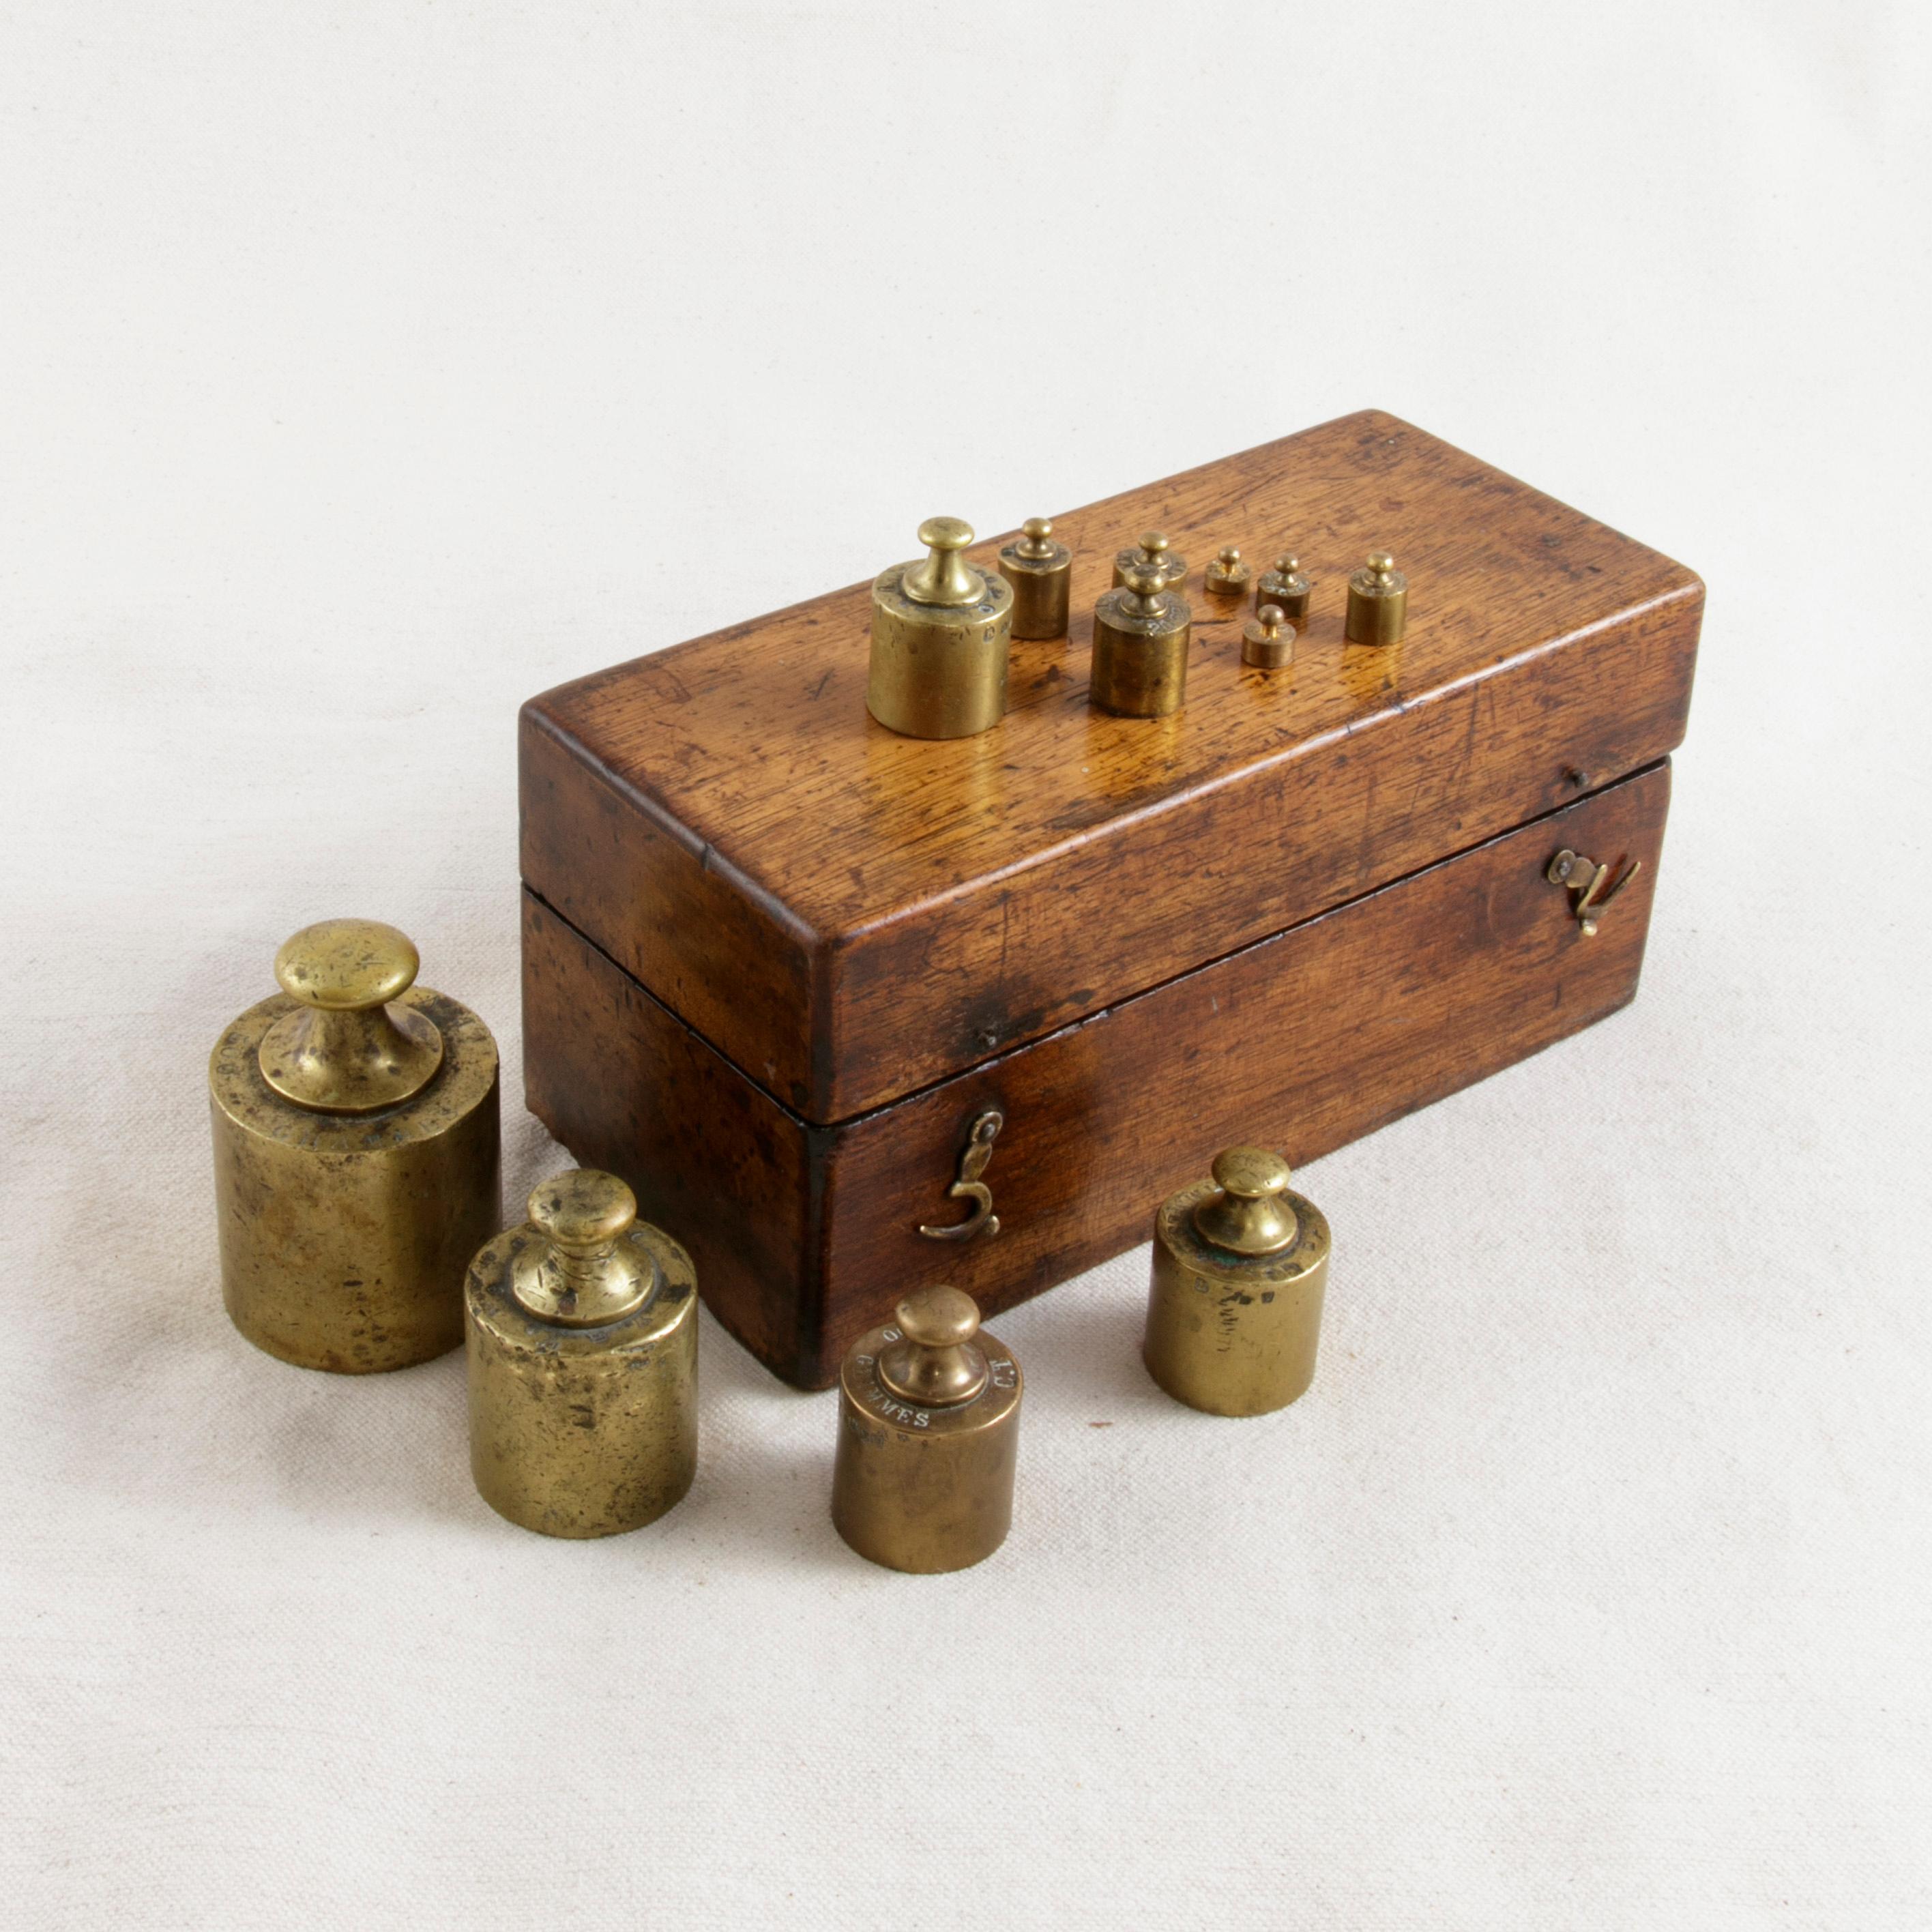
<point>970,1187</point>
<point>1591,882</point>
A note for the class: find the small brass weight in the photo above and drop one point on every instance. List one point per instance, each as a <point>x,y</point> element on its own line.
<point>1240,1264</point>
<point>1041,572</point>
<point>1142,631</point>
<point>928,1432</point>
<point>583,1331</point>
<point>355,1129</point>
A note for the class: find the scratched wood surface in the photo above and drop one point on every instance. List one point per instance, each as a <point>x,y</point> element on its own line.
<point>805,1236</point>
<point>849,916</point>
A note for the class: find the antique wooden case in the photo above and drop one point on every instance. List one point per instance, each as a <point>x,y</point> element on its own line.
<point>785,970</point>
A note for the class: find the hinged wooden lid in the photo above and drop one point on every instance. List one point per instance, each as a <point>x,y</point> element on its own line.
<point>849,915</point>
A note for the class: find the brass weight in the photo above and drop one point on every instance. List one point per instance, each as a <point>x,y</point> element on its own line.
<point>941,634</point>
<point>1378,602</point>
<point>1267,639</point>
<point>1153,553</point>
<point>1226,575</point>
<point>582,1334</point>
<point>1240,1264</point>
<point>355,1128</point>
<point>928,1431</point>
<point>1287,588</point>
<point>1041,572</point>
<point>1141,633</point>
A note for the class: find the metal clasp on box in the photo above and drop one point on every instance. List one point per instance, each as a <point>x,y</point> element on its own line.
<point>1591,882</point>
<point>970,1187</point>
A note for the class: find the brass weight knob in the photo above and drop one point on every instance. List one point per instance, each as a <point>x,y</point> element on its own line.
<point>348,1047</point>
<point>943,577</point>
<point>1240,1266</point>
<point>933,1362</point>
<point>588,1274</point>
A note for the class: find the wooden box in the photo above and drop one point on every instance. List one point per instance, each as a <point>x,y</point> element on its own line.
<point>777,960</point>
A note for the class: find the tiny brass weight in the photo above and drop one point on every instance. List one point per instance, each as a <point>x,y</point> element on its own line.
<point>1141,633</point>
<point>1041,572</point>
<point>1287,588</point>
<point>1267,639</point>
<point>942,628</point>
<point>1378,602</point>
<point>928,1432</point>
<point>356,1155</point>
<point>1239,1266</point>
<point>582,1332</point>
<point>1227,576</point>
<point>1153,553</point>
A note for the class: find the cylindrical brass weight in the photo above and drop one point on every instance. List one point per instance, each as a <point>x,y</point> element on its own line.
<point>1154,552</point>
<point>356,1125</point>
<point>1240,1264</point>
<point>1041,572</point>
<point>928,1432</point>
<point>1141,633</point>
<point>941,632</point>
<point>1267,639</point>
<point>582,1332</point>
<point>1287,589</point>
<point>1226,575</point>
<point>1378,602</point>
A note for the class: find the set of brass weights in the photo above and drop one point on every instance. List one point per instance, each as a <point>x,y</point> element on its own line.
<point>942,624</point>
<point>357,1184</point>
<point>357,1179</point>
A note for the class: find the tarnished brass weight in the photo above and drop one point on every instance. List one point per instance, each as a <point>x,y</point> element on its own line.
<point>583,1333</point>
<point>1227,575</point>
<point>1141,633</point>
<point>1041,572</point>
<point>1267,639</point>
<point>1153,553</point>
<point>1378,602</point>
<point>928,1431</point>
<point>1286,588</point>
<point>356,1125</point>
<point>1239,1265</point>
<point>941,629</point>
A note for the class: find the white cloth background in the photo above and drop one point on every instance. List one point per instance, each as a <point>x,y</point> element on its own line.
<point>368,369</point>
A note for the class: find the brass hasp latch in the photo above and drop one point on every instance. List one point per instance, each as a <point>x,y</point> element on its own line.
<point>1592,884</point>
<point>970,1187</point>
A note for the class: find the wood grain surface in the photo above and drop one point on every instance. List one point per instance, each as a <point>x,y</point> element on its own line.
<point>804,1235</point>
<point>849,915</point>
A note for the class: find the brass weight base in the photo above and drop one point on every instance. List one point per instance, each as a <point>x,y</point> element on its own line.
<point>582,1432</point>
<point>925,1490</point>
<point>1229,1334</point>
<point>344,1237</point>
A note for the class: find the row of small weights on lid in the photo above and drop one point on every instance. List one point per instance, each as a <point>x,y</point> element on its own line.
<point>357,1171</point>
<point>940,624</point>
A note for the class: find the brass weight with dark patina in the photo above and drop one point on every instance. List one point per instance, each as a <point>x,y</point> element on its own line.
<point>1241,1265</point>
<point>928,1432</point>
<point>583,1352</point>
<point>355,1128</point>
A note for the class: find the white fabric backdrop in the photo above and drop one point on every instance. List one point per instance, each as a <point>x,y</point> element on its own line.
<point>369,369</point>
